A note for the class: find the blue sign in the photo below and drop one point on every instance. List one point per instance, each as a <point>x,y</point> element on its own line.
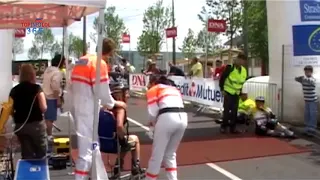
<point>310,10</point>
<point>306,40</point>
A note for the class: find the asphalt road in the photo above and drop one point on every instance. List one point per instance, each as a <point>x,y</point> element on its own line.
<point>202,126</point>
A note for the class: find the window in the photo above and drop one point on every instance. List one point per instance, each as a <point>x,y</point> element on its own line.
<point>225,61</point>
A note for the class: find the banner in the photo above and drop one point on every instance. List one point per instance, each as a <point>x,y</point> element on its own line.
<point>215,25</point>
<point>125,38</point>
<point>39,66</point>
<point>199,90</point>
<point>171,32</point>
<point>138,82</point>
<point>19,33</point>
<point>309,10</point>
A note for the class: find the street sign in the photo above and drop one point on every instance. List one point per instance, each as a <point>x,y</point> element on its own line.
<point>171,32</point>
<point>215,25</point>
<point>19,33</point>
<point>125,38</point>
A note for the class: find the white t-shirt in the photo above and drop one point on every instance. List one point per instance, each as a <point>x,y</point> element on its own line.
<point>52,77</point>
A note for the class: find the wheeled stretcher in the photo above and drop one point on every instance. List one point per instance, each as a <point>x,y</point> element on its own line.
<point>109,143</point>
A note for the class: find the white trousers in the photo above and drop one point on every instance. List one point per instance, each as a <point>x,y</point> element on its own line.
<point>168,132</point>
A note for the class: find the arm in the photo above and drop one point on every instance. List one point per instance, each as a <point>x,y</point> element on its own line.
<point>310,81</point>
<point>42,102</point>
<point>153,108</point>
<point>56,84</point>
<point>298,79</point>
<point>120,118</point>
<point>224,76</point>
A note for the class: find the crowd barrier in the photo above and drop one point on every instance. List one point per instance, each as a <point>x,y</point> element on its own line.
<point>206,92</point>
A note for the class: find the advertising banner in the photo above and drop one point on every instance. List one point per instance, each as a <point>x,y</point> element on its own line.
<point>310,10</point>
<point>138,82</point>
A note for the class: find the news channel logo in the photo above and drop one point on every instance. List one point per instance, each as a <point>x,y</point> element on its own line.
<point>36,26</point>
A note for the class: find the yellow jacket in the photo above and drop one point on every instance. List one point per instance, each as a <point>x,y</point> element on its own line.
<point>246,106</point>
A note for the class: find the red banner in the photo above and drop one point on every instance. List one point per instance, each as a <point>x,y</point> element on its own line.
<point>171,32</point>
<point>125,38</point>
<point>215,25</point>
<point>19,33</point>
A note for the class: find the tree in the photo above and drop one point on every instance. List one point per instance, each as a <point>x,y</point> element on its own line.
<point>33,52</point>
<point>189,43</point>
<point>75,46</point>
<point>114,26</point>
<point>229,10</point>
<point>56,48</point>
<point>155,20</point>
<point>205,39</point>
<point>258,31</point>
<point>43,40</point>
<point>17,47</point>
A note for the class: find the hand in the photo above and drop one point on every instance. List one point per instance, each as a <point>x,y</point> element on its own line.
<point>59,102</point>
<point>121,104</point>
<point>151,124</point>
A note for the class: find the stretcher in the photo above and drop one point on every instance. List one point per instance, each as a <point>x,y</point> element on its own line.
<point>109,143</point>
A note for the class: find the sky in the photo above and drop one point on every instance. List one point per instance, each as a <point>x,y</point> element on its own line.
<point>132,13</point>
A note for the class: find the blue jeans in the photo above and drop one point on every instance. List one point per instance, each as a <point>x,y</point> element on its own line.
<point>310,116</point>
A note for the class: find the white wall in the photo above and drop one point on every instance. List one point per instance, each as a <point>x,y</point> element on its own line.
<point>282,15</point>
<point>6,37</point>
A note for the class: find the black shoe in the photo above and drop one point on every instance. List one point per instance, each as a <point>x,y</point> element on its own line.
<point>223,130</point>
<point>235,131</point>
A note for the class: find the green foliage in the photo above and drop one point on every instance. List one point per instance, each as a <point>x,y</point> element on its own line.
<point>204,39</point>
<point>229,10</point>
<point>17,46</point>
<point>114,26</point>
<point>156,19</point>
<point>189,45</point>
<point>258,29</point>
<point>76,45</point>
<point>43,41</point>
<point>56,48</point>
<point>33,52</point>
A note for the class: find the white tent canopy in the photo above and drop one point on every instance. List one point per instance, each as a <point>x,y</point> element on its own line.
<point>57,13</point>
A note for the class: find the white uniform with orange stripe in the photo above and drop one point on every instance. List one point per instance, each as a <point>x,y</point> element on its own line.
<point>168,131</point>
<point>82,90</point>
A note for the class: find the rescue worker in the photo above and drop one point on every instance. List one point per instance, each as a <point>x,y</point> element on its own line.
<point>169,120</point>
<point>83,79</point>
<point>244,110</point>
<point>266,122</point>
<point>231,82</point>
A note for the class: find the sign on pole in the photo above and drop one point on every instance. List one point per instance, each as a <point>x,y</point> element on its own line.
<point>171,32</point>
<point>125,38</point>
<point>215,25</point>
<point>19,33</point>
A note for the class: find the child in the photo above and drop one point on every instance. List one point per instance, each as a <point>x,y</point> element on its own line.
<point>308,83</point>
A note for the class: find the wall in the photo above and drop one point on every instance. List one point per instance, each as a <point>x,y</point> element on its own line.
<point>6,37</point>
<point>281,16</point>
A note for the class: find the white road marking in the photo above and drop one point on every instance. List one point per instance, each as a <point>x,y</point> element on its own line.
<point>211,165</point>
<point>223,171</point>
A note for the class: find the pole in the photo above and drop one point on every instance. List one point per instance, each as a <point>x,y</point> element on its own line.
<point>282,84</point>
<point>84,35</point>
<point>206,40</point>
<point>245,33</point>
<point>174,38</point>
<point>167,54</point>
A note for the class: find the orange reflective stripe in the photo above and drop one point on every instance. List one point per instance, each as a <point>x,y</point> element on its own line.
<point>151,175</point>
<point>84,173</point>
<point>86,73</point>
<point>159,92</point>
<point>152,94</point>
<point>171,169</point>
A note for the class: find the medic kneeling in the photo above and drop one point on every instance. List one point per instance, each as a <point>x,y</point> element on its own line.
<point>266,122</point>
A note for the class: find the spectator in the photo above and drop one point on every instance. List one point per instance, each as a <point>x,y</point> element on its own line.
<point>148,65</point>
<point>175,71</point>
<point>52,80</point>
<point>308,83</point>
<point>29,104</point>
<point>127,66</point>
<point>231,82</point>
<point>196,68</point>
<point>218,70</point>
<point>153,68</point>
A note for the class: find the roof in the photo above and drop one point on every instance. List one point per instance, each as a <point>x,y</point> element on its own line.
<point>236,41</point>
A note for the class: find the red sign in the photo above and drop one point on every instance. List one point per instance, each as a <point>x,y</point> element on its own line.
<point>138,80</point>
<point>125,38</point>
<point>217,25</point>
<point>19,33</point>
<point>171,32</point>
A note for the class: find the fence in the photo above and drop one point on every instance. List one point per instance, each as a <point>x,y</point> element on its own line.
<point>206,92</point>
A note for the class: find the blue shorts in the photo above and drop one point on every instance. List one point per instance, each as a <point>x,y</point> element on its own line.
<point>52,110</point>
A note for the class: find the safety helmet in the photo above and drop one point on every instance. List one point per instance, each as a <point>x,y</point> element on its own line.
<point>260,99</point>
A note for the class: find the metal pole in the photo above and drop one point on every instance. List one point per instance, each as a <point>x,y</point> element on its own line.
<point>282,83</point>
<point>174,38</point>
<point>206,40</point>
<point>84,35</point>
<point>245,33</point>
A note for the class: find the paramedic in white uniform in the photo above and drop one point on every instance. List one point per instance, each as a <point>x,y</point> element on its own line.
<point>167,116</point>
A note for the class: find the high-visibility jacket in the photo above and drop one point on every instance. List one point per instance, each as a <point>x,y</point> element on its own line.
<point>246,106</point>
<point>162,96</point>
<point>82,89</point>
<point>235,81</point>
